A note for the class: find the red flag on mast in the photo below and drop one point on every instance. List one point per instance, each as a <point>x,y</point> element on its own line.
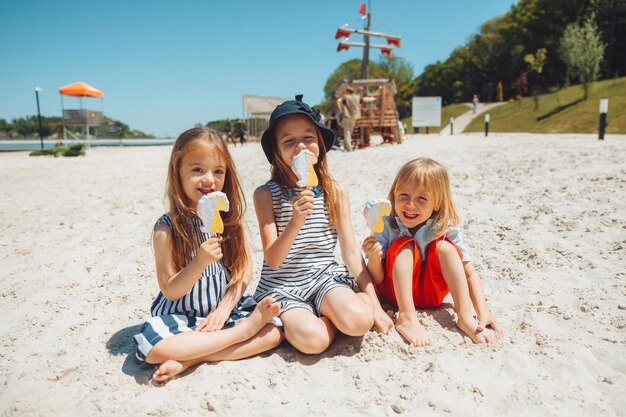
<point>342,34</point>
<point>362,9</point>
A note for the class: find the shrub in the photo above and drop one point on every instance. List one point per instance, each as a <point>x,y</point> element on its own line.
<point>72,150</point>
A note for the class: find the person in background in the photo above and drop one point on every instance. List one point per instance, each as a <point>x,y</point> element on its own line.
<point>228,129</point>
<point>349,105</point>
<point>240,130</point>
<point>475,102</point>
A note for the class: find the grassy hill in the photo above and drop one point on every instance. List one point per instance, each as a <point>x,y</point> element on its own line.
<point>561,112</point>
<point>453,110</point>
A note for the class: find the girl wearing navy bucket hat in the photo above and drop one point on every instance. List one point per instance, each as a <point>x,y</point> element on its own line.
<point>299,231</point>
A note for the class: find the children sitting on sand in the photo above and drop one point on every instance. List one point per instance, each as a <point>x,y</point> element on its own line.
<point>415,261</point>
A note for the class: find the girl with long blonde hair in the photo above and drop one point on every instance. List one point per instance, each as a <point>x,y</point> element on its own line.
<point>420,256</point>
<point>202,277</point>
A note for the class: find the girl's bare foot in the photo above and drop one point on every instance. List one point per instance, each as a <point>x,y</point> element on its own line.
<point>167,370</point>
<point>264,311</point>
<point>412,330</point>
<point>477,334</point>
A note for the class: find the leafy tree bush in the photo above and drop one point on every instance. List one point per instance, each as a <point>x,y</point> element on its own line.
<point>582,51</point>
<point>536,62</point>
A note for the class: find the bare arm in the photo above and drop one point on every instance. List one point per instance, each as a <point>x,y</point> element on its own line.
<point>276,248</point>
<point>175,284</point>
<point>374,252</point>
<point>355,263</point>
<point>340,105</point>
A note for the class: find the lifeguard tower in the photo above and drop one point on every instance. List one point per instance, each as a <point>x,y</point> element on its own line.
<point>81,118</point>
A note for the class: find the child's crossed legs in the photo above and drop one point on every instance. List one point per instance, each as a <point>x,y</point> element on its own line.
<point>341,309</point>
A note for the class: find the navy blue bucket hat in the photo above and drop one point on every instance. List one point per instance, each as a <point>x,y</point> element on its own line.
<point>296,106</point>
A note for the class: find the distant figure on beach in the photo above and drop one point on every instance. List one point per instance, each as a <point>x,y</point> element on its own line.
<point>299,230</point>
<point>420,256</point>
<point>201,277</point>
<point>475,102</point>
<point>240,129</point>
<point>349,105</point>
<point>228,129</point>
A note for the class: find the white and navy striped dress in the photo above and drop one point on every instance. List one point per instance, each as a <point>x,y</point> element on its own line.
<point>309,271</point>
<point>182,315</point>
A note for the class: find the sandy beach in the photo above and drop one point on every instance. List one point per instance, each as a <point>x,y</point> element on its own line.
<point>544,217</point>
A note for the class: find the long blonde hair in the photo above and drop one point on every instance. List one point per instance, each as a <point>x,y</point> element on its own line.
<point>434,177</point>
<point>282,174</point>
<point>184,237</point>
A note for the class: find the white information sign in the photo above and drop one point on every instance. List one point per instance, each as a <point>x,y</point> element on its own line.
<point>426,111</point>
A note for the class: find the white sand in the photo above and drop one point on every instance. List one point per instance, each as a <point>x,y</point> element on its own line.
<point>545,218</point>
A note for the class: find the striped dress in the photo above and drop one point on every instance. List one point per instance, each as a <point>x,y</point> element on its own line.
<point>182,315</point>
<point>309,271</point>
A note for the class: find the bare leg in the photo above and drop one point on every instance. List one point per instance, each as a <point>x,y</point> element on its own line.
<point>192,345</point>
<point>307,332</point>
<point>407,324</point>
<point>454,275</point>
<point>347,311</point>
<point>268,338</point>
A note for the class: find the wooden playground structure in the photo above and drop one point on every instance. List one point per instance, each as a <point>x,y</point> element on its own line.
<point>378,116</point>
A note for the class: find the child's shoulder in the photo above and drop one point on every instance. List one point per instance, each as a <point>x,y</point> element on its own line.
<point>269,188</point>
<point>264,188</point>
<point>164,223</point>
<point>263,192</point>
<point>262,196</point>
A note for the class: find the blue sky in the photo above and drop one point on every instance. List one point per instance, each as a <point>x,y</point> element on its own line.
<point>166,65</point>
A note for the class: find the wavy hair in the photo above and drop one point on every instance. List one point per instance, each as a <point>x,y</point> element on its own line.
<point>282,174</point>
<point>434,177</point>
<point>185,238</point>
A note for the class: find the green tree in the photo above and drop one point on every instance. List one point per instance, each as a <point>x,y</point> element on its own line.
<point>401,71</point>
<point>4,126</point>
<point>582,51</point>
<point>536,62</point>
<point>497,51</point>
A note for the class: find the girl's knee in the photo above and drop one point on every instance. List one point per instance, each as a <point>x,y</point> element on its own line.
<point>278,335</point>
<point>155,356</point>
<point>446,249</point>
<point>405,257</point>
<point>406,254</point>
<point>356,319</point>
<point>310,337</point>
<point>272,335</point>
<point>313,346</point>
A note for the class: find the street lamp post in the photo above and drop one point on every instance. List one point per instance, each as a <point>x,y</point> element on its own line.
<point>37,90</point>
